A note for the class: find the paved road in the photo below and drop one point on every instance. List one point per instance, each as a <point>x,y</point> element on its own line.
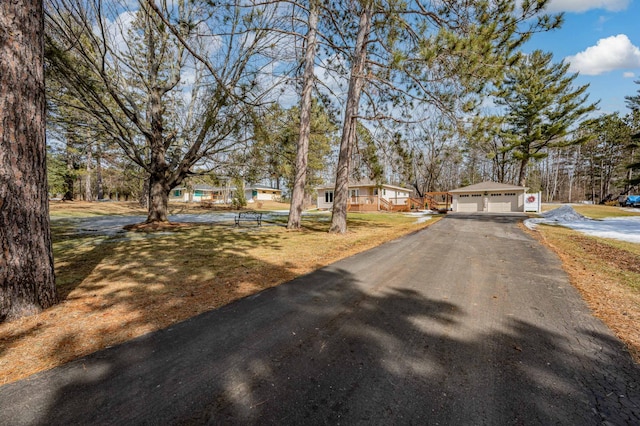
<point>468,322</point>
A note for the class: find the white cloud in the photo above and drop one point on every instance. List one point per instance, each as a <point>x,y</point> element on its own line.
<point>629,75</point>
<point>611,53</point>
<point>204,37</point>
<point>118,29</point>
<point>584,5</point>
<point>188,76</point>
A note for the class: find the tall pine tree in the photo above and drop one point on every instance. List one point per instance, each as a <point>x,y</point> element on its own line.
<point>27,281</point>
<point>541,108</point>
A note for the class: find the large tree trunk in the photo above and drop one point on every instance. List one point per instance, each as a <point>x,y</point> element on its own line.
<point>88,191</point>
<point>159,186</point>
<point>592,174</point>
<point>522,176</point>
<point>27,281</point>
<point>356,82</point>
<point>99,182</point>
<point>158,200</point>
<point>297,195</point>
<point>70,177</point>
<point>143,199</point>
<point>627,185</point>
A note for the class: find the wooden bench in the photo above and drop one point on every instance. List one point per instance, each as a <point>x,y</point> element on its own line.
<point>249,216</point>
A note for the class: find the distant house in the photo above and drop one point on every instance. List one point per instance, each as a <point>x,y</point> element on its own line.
<point>368,196</point>
<point>490,197</point>
<point>198,193</point>
<point>262,193</point>
<point>223,195</point>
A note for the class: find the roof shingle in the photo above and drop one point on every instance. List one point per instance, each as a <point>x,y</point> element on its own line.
<point>489,186</point>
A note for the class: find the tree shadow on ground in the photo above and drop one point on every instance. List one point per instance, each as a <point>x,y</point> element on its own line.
<point>132,283</point>
<point>119,285</point>
<point>326,349</point>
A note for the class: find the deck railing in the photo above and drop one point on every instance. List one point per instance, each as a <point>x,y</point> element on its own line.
<point>433,201</point>
<point>374,203</point>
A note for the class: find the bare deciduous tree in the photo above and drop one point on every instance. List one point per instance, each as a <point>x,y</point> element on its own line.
<point>170,83</point>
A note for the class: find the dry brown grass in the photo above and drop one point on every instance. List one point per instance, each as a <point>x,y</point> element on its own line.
<point>607,274</point>
<point>85,208</point>
<point>115,289</point>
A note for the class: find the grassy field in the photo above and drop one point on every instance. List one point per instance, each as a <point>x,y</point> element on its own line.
<point>605,271</point>
<point>113,289</point>
<point>596,211</point>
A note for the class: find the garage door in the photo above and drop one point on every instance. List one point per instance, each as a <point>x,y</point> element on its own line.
<point>502,202</point>
<point>469,203</point>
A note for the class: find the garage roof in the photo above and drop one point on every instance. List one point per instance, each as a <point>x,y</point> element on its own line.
<point>489,186</point>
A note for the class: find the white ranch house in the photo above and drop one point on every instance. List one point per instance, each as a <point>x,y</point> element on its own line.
<point>367,196</point>
<point>223,195</point>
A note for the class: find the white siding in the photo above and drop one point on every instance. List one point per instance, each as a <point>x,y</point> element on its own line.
<point>503,202</point>
<point>392,195</point>
<point>264,196</point>
<point>395,196</point>
<point>468,203</point>
<point>322,203</point>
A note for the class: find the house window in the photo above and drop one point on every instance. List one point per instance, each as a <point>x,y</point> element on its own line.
<point>476,195</point>
<point>328,197</point>
<point>464,195</point>
<point>177,193</point>
<point>354,193</point>
<point>198,193</point>
<point>510,194</point>
<point>384,191</point>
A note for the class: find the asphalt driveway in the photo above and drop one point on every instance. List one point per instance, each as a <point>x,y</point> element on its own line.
<point>467,322</point>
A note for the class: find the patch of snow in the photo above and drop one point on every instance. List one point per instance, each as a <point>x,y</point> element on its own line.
<point>113,225</point>
<point>563,213</point>
<point>424,219</point>
<point>203,218</point>
<point>105,225</point>
<point>421,215</point>
<point>617,228</point>
<point>624,229</point>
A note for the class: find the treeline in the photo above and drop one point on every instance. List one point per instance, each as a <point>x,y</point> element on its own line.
<point>143,95</point>
<point>602,167</point>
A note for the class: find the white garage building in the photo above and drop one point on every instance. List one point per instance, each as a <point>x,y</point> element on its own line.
<point>488,197</point>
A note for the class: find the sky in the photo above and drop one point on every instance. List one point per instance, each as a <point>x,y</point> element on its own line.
<point>601,41</point>
<point>599,38</point>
